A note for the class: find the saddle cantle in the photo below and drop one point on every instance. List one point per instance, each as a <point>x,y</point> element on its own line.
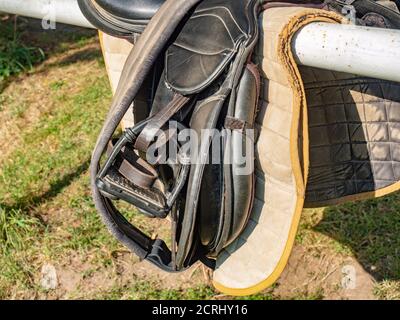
<point>120,18</point>
<point>133,10</point>
<point>323,137</point>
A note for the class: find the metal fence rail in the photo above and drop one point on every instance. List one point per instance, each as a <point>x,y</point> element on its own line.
<point>370,52</point>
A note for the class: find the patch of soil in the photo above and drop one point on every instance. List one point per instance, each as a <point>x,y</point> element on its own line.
<point>78,278</point>
<point>331,275</point>
<point>196,275</point>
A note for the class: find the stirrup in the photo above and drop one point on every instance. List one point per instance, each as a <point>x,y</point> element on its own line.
<point>116,181</point>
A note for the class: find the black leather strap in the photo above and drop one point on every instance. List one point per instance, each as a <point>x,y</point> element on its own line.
<point>158,121</point>
<point>134,168</point>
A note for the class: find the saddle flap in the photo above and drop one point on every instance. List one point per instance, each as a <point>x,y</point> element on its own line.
<point>205,46</point>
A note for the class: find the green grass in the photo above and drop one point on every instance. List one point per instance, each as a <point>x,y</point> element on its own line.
<point>57,85</point>
<point>47,213</point>
<point>59,149</point>
<point>16,230</point>
<point>370,229</point>
<point>145,290</point>
<point>54,154</point>
<point>15,56</point>
<point>388,290</point>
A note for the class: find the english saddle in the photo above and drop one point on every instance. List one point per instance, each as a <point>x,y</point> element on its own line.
<point>196,67</point>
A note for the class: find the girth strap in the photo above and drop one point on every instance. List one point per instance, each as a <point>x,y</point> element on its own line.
<point>148,134</point>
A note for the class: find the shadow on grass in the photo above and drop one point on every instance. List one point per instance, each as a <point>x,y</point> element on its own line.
<point>53,40</point>
<point>56,187</point>
<point>371,230</point>
<point>82,55</point>
<point>88,54</point>
<point>31,34</point>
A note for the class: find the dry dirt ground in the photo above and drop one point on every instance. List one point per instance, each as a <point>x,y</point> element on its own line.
<point>50,117</point>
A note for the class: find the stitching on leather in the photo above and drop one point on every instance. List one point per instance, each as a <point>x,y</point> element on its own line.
<point>229,12</point>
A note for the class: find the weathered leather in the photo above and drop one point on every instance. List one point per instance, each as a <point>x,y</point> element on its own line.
<point>134,168</point>
<point>236,32</point>
<point>132,9</point>
<point>198,87</point>
<point>137,68</point>
<point>120,18</point>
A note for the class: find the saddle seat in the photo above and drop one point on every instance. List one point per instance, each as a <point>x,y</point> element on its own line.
<point>132,9</point>
<point>120,18</point>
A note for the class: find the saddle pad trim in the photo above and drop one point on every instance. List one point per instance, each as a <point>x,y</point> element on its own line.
<point>286,58</point>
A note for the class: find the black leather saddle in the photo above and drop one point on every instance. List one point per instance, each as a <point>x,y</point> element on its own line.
<point>191,70</point>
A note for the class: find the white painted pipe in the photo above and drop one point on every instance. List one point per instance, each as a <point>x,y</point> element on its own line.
<point>63,11</point>
<point>365,51</point>
<point>370,52</point>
